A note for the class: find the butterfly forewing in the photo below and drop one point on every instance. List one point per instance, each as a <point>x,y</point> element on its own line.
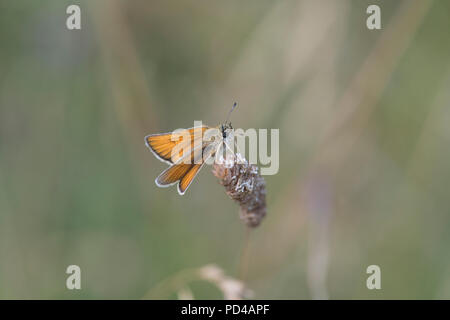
<point>170,147</point>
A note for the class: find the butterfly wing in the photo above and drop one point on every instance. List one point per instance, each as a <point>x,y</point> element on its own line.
<point>184,173</point>
<point>207,152</point>
<point>162,145</point>
<point>187,179</point>
<point>172,174</point>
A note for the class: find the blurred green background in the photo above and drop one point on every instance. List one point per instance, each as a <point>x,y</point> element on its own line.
<point>364,146</point>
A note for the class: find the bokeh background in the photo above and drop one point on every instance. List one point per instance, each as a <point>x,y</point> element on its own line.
<point>364,147</point>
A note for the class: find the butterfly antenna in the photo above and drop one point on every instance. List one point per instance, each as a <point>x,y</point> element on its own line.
<point>229,112</point>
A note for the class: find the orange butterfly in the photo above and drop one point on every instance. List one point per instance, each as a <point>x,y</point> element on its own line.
<point>186,151</point>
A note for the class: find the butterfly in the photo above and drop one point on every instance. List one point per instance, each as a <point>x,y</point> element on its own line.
<point>187,150</point>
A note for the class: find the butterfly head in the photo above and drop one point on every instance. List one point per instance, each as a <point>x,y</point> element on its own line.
<point>225,129</point>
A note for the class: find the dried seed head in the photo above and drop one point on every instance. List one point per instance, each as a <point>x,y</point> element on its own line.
<point>245,185</point>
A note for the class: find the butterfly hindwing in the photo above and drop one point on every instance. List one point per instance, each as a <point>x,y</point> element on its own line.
<point>184,173</point>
